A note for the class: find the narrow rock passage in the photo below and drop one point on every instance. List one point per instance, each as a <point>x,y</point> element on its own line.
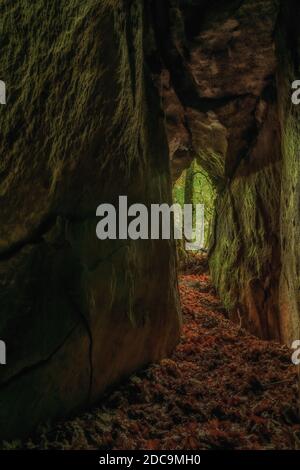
<point>221,389</point>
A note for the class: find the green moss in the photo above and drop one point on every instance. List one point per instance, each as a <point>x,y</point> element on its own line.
<point>203,193</point>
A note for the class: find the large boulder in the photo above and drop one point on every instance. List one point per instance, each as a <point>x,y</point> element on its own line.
<point>82,125</point>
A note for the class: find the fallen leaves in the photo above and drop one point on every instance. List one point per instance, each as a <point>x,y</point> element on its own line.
<point>221,389</point>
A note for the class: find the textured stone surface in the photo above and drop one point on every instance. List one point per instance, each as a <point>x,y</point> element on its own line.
<point>288,48</point>
<point>81,127</point>
<point>231,68</point>
<point>245,254</point>
<point>221,58</point>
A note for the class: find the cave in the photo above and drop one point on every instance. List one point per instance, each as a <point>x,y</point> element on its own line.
<point>107,99</point>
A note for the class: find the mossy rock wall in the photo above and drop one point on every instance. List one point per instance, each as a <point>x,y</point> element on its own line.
<point>255,252</point>
<point>245,251</point>
<point>82,125</point>
<point>288,49</point>
<point>220,98</point>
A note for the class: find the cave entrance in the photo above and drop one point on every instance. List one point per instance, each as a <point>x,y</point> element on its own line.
<point>194,186</point>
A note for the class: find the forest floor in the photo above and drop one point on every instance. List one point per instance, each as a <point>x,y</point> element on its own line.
<point>221,389</point>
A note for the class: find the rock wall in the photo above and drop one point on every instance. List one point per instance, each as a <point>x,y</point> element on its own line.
<point>245,255</point>
<point>255,254</point>
<point>288,49</point>
<point>82,125</point>
<point>225,80</point>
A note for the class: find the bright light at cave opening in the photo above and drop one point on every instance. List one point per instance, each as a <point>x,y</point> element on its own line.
<point>195,187</point>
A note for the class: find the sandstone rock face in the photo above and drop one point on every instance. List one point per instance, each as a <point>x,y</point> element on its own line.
<point>288,46</point>
<point>82,125</point>
<point>227,98</point>
<point>221,58</point>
